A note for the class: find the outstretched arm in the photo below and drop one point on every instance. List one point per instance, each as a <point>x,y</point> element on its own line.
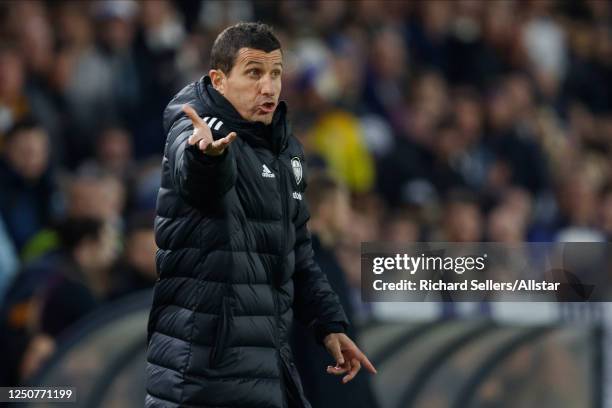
<point>202,167</point>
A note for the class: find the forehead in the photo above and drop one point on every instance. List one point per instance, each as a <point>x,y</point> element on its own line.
<point>247,55</point>
<point>28,136</point>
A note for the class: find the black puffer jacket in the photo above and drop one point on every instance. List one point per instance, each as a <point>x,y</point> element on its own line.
<point>235,263</point>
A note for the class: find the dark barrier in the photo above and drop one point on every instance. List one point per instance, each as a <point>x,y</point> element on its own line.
<point>97,349</point>
<point>434,362</point>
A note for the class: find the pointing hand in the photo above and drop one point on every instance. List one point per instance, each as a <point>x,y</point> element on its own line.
<point>202,136</point>
<point>349,358</point>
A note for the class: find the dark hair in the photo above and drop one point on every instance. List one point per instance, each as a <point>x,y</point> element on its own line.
<point>321,186</point>
<point>23,125</point>
<point>258,36</point>
<point>141,221</point>
<point>73,231</point>
<point>461,196</point>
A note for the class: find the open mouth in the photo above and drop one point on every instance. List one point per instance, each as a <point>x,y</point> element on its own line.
<point>267,107</point>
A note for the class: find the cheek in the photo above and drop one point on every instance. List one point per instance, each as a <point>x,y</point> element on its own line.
<point>279,88</point>
<point>243,95</point>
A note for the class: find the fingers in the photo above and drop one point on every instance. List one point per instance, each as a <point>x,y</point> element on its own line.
<point>201,140</point>
<point>358,354</point>
<point>202,136</point>
<point>355,358</point>
<point>204,145</point>
<point>201,133</point>
<point>366,363</point>
<point>337,370</point>
<point>335,349</point>
<point>221,144</point>
<point>196,138</point>
<point>193,115</point>
<point>355,367</point>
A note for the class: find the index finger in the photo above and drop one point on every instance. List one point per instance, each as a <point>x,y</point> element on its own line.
<point>193,115</point>
<point>366,363</point>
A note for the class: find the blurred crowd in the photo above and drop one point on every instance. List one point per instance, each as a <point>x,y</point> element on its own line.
<point>459,120</point>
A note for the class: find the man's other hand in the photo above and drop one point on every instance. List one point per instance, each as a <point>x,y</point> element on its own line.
<point>349,358</point>
<point>202,136</point>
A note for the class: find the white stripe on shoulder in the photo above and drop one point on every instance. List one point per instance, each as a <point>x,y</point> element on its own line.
<point>218,125</point>
<point>212,122</point>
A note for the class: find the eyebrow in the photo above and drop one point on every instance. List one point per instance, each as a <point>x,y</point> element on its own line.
<point>261,63</point>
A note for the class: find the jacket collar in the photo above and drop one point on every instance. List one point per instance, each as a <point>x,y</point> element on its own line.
<point>257,134</point>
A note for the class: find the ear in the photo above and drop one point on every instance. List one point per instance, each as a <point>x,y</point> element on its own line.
<point>217,78</point>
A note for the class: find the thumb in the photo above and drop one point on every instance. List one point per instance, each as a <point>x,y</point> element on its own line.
<point>336,352</point>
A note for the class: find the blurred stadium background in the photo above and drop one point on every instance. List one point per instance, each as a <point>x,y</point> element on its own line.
<point>459,120</point>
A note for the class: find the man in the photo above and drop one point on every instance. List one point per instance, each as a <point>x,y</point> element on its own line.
<point>26,182</point>
<point>235,261</point>
<point>54,292</point>
<point>330,208</point>
<point>136,269</point>
<point>78,282</point>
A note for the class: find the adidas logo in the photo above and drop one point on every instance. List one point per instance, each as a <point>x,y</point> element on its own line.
<point>267,173</point>
<point>213,122</point>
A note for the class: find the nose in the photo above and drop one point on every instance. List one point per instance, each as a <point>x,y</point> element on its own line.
<point>267,86</point>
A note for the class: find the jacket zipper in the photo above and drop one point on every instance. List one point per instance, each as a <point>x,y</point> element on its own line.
<point>276,281</point>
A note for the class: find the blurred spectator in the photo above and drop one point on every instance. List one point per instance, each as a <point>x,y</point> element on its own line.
<point>578,200</point>
<point>25,91</point>
<point>53,291</point>
<point>518,159</point>
<point>420,159</point>
<point>27,186</point>
<point>365,226</point>
<point>473,158</point>
<point>215,15</point>
<point>113,153</point>
<point>98,195</point>
<point>462,219</point>
<point>81,280</point>
<point>145,185</point>
<point>13,105</point>
<point>136,269</point>
<point>157,46</point>
<point>337,137</point>
<point>505,225</point>
<point>330,212</point>
<point>387,73</point>
<point>402,227</point>
<point>545,45</point>
<point>102,82</point>
<point>39,349</point>
<point>23,96</point>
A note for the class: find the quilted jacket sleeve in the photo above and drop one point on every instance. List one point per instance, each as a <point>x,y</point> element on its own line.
<point>198,177</point>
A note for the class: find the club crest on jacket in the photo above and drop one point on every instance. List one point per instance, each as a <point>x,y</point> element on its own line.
<point>297,169</point>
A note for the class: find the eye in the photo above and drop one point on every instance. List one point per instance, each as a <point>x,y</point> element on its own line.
<point>275,73</point>
<point>254,72</point>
